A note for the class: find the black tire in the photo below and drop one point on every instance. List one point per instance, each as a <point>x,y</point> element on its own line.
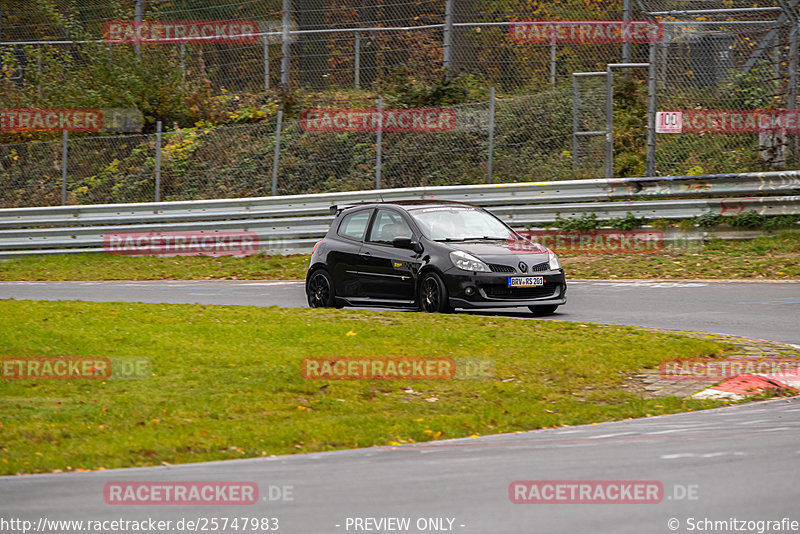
<point>432,294</point>
<point>319,290</point>
<point>539,311</point>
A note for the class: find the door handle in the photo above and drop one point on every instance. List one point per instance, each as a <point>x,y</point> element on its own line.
<point>366,253</point>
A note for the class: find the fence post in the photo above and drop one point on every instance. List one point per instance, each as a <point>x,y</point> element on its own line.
<point>266,63</point>
<point>64,137</point>
<point>183,62</point>
<point>285,42</point>
<point>793,81</point>
<point>158,161</point>
<point>575,123</point>
<point>652,105</point>
<point>357,59</point>
<point>626,17</point>
<point>277,154</point>
<point>448,39</point>
<point>138,15</point>
<point>609,123</point>
<point>491,135</point>
<point>553,60</point>
<point>39,69</point>
<point>379,143</point>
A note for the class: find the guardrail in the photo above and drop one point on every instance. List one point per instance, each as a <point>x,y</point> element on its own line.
<point>292,224</point>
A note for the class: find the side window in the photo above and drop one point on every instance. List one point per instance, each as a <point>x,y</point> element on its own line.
<point>354,224</point>
<point>388,225</point>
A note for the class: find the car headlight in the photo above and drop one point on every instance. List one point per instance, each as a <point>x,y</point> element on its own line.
<point>467,262</point>
<point>552,261</point>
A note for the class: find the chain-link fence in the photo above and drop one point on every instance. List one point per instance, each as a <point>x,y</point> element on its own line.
<point>349,44</point>
<point>531,142</point>
<point>718,58</point>
<point>731,61</point>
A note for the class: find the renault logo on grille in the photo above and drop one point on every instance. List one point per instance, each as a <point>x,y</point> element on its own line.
<point>522,266</point>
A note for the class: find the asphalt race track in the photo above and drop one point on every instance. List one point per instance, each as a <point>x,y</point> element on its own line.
<point>735,464</point>
<point>738,462</point>
<point>761,310</point>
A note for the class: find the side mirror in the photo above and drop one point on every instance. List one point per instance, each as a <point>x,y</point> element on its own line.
<point>407,243</point>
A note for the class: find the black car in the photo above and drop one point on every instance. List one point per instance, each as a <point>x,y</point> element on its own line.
<point>433,255</point>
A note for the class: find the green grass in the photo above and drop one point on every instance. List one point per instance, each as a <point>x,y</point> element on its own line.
<point>226,381</point>
<point>112,267</point>
<point>774,258</point>
<point>770,258</point>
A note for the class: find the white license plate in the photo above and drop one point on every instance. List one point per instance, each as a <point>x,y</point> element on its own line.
<point>526,281</point>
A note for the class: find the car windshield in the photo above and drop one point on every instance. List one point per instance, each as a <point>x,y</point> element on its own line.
<point>459,224</point>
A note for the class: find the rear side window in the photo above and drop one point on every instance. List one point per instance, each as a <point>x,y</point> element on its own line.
<point>353,225</point>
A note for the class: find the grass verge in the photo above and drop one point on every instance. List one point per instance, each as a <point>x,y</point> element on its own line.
<point>771,258</point>
<point>226,381</point>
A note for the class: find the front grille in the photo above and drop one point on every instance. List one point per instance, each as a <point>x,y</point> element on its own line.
<point>540,267</point>
<point>521,293</point>
<point>497,268</point>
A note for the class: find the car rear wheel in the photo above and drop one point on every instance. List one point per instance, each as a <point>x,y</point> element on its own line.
<point>539,311</point>
<point>433,296</point>
<point>319,290</point>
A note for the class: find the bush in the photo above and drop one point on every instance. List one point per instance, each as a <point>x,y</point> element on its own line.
<point>587,221</point>
<point>629,222</point>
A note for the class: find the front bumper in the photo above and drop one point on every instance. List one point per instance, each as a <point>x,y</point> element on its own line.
<point>490,290</point>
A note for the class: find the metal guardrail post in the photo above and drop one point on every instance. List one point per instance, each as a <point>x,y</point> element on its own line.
<point>64,138</point>
<point>277,155</point>
<point>158,161</point>
<point>285,43</point>
<point>378,144</point>
<point>491,136</point>
<point>448,40</point>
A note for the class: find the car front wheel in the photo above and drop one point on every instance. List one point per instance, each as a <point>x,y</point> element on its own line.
<point>319,290</point>
<point>433,296</point>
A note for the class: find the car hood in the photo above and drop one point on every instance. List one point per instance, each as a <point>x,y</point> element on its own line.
<point>496,251</point>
